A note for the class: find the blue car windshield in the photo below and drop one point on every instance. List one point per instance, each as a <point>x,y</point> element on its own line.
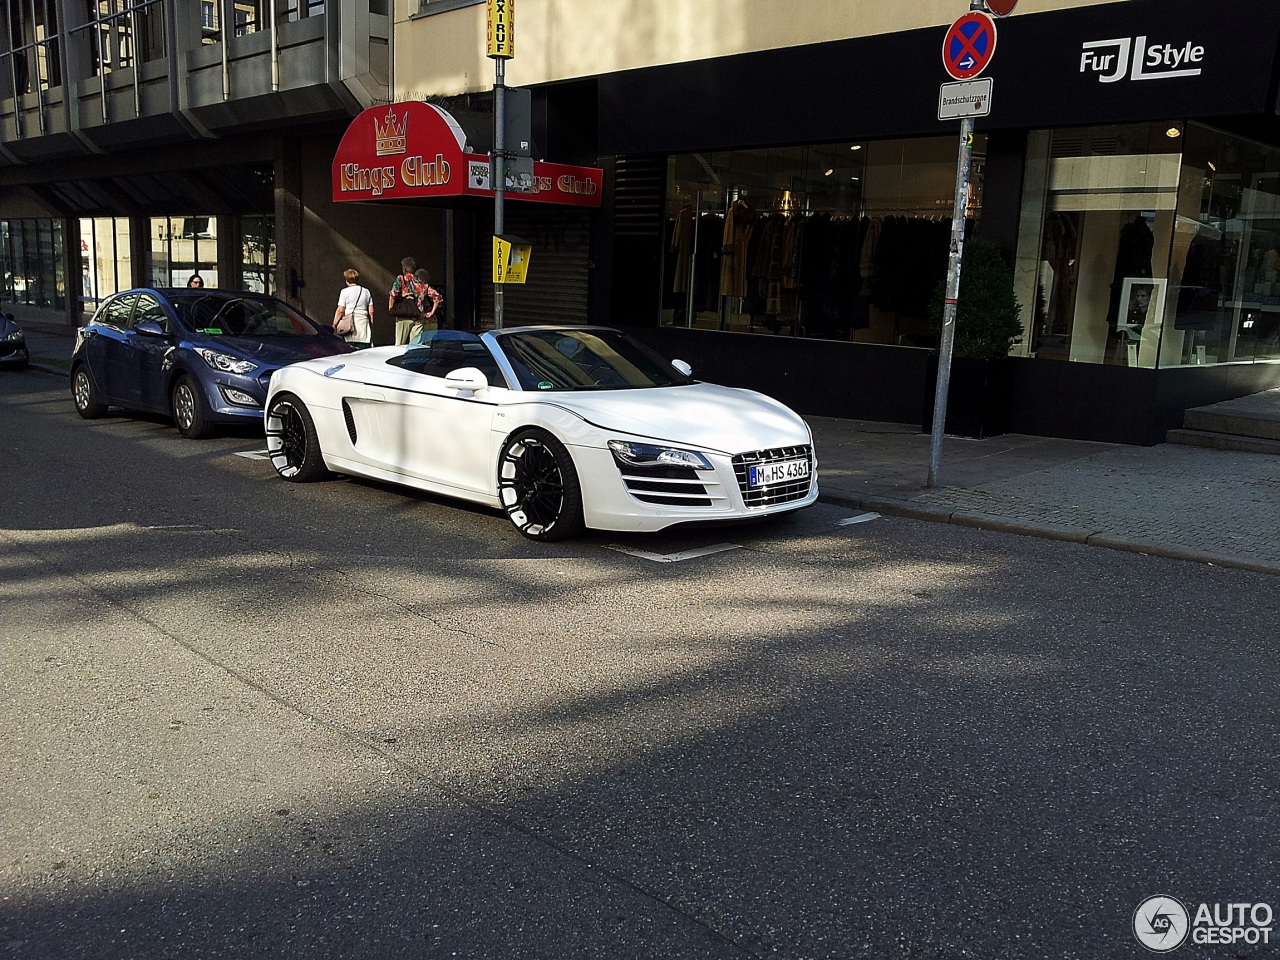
<point>578,359</point>
<point>228,315</point>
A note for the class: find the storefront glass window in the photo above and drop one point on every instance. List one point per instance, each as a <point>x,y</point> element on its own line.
<point>106,263</point>
<point>31,257</point>
<point>843,241</point>
<point>181,246</point>
<point>1224,301</point>
<point>1148,245</point>
<point>257,253</point>
<point>1097,217</point>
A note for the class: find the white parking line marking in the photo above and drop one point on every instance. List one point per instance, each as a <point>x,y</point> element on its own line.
<point>254,454</point>
<point>676,557</point>
<point>860,518</point>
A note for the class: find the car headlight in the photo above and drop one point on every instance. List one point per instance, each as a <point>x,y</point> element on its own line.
<point>15,336</point>
<point>226,362</point>
<point>652,455</point>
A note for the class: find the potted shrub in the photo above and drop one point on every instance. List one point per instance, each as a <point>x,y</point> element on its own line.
<point>987,324</point>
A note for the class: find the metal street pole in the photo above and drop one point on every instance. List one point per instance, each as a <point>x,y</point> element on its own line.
<point>499,172</point>
<point>964,168</point>
<point>500,44</point>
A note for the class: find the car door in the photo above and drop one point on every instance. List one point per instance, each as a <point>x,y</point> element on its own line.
<point>108,351</point>
<point>147,353</point>
<point>433,431</point>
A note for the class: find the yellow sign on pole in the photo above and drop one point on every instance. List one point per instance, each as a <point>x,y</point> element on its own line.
<point>510,259</point>
<point>501,24</point>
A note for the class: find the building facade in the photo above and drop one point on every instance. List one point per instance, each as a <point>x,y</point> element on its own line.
<point>780,188</point>
<point>777,187</point>
<point>142,141</point>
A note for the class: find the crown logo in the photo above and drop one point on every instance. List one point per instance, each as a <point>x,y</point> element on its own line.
<point>390,136</point>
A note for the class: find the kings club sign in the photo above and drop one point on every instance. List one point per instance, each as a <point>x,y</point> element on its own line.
<point>414,149</point>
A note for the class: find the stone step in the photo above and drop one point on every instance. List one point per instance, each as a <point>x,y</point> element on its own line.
<point>1223,441</point>
<point>1212,420</point>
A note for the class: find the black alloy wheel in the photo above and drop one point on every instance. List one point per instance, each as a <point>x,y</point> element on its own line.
<point>292,442</point>
<point>539,487</point>
<point>85,394</point>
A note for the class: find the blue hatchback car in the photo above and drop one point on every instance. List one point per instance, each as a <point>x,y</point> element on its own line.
<point>204,357</point>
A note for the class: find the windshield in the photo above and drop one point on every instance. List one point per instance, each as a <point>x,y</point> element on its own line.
<point>220,315</point>
<point>569,359</point>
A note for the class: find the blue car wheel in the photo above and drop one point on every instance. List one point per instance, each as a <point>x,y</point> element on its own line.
<point>188,409</point>
<point>85,394</point>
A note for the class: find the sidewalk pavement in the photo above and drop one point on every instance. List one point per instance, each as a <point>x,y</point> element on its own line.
<point>1193,503</point>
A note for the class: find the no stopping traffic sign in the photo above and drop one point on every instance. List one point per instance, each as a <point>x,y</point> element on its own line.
<point>969,44</point>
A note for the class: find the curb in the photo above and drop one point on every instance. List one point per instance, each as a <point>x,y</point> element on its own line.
<point>910,510</point>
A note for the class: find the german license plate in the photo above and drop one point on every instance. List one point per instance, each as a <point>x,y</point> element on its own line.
<point>784,471</point>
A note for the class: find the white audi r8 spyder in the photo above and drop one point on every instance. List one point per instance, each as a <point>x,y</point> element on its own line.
<point>563,428</point>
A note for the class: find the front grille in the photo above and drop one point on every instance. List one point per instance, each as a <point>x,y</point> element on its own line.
<point>670,486</point>
<point>787,492</point>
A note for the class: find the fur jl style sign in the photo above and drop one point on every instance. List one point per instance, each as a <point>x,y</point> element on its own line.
<point>1135,59</point>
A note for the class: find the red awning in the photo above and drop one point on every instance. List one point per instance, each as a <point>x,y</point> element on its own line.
<point>416,150</point>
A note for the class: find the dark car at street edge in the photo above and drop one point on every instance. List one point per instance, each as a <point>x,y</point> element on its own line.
<point>13,344</point>
<point>201,356</point>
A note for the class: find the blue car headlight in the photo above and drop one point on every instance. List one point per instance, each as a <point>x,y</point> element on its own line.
<point>652,455</point>
<point>225,362</point>
<point>16,336</point>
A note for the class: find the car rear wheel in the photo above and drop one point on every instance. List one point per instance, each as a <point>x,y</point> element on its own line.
<point>539,487</point>
<point>292,441</point>
<point>188,409</point>
<point>85,394</point>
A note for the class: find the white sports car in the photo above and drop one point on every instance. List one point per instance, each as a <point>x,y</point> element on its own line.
<point>561,427</point>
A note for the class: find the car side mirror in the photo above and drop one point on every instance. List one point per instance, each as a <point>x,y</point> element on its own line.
<point>149,328</point>
<point>468,379</point>
<point>683,367</point>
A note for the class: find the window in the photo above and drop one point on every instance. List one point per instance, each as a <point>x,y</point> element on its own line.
<point>33,60</point>
<point>257,253</point>
<point>106,260</point>
<point>117,313</point>
<point>291,10</point>
<point>1224,270</point>
<point>31,255</point>
<point>1150,245</point>
<point>149,308</point>
<point>181,246</point>
<point>444,350</point>
<point>249,17</point>
<point>843,241</point>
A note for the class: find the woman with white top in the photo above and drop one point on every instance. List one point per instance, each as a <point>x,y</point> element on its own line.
<point>355,302</point>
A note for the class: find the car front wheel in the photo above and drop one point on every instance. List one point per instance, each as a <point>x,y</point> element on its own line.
<point>539,487</point>
<point>292,441</point>
<point>188,409</point>
<point>85,395</point>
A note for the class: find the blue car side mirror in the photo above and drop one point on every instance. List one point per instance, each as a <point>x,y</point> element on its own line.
<point>149,328</point>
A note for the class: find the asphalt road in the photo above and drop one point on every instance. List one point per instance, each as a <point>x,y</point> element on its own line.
<point>247,718</point>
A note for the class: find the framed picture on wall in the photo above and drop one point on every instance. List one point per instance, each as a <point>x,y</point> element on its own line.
<point>1141,308</point>
<point>1141,302</point>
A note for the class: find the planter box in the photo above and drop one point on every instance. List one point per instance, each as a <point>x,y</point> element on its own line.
<point>979,396</point>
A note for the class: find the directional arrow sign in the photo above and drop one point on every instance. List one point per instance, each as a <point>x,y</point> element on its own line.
<point>969,44</point>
